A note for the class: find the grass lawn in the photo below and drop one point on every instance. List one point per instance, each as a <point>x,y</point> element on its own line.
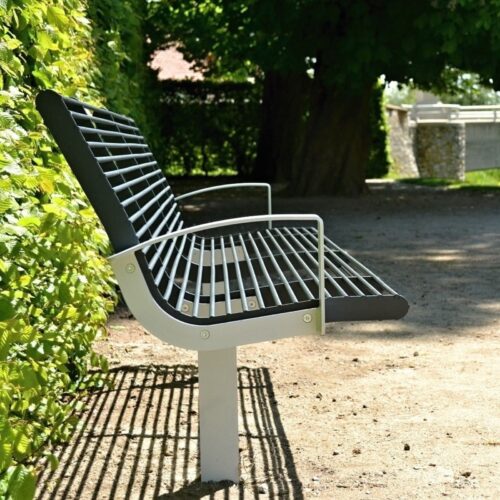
<point>479,179</point>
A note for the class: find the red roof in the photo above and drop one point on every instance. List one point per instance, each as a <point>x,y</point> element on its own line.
<point>172,66</point>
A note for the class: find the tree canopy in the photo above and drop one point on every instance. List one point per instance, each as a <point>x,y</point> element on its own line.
<point>341,46</point>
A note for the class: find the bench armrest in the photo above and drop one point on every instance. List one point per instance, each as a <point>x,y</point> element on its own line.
<point>234,186</point>
<point>124,255</point>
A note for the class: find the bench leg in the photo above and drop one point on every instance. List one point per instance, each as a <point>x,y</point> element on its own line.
<point>218,413</point>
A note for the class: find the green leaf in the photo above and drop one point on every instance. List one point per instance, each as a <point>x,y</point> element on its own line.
<point>45,41</point>
<point>52,208</point>
<point>13,43</point>
<point>56,16</point>
<point>21,443</point>
<point>52,460</point>
<point>5,204</point>
<point>29,221</point>
<point>7,311</point>
<point>42,78</point>
<point>22,484</point>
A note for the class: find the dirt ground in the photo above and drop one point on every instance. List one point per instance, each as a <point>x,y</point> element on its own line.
<point>385,410</point>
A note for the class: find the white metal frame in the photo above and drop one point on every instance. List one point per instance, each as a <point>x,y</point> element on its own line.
<point>235,185</point>
<point>220,335</point>
<point>216,344</point>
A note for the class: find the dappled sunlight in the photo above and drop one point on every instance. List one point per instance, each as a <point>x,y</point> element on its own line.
<point>444,255</point>
<point>491,307</point>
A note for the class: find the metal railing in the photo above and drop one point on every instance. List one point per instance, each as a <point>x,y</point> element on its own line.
<point>454,112</point>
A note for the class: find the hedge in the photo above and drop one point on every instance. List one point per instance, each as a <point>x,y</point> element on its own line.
<point>224,140</point>
<point>55,285</point>
<point>227,116</point>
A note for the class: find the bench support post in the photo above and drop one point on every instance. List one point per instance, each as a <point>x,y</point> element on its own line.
<point>218,414</point>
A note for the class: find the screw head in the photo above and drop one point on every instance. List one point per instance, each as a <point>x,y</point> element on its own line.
<point>204,334</point>
<point>251,304</point>
<point>307,318</point>
<point>130,268</point>
<point>185,308</point>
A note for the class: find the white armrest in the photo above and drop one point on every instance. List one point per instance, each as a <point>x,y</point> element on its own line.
<point>122,256</point>
<point>234,186</point>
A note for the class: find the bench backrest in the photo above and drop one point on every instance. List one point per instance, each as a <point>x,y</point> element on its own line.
<point>115,167</point>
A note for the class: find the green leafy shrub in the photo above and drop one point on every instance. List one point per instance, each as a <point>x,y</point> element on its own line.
<point>120,62</point>
<point>55,285</point>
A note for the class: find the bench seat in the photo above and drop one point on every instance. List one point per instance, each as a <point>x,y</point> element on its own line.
<point>247,274</point>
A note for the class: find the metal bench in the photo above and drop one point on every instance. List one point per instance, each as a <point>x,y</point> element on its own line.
<point>208,291</point>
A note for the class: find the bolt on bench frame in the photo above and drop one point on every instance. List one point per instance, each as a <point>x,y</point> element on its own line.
<point>210,293</point>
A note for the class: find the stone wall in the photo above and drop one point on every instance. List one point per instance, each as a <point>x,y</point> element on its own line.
<point>440,149</point>
<point>401,143</point>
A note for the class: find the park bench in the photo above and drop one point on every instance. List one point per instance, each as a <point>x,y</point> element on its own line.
<point>214,286</point>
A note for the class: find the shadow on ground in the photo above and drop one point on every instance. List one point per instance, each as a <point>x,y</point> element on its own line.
<point>139,439</point>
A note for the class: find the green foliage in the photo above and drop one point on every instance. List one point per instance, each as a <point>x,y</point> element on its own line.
<point>55,285</point>
<point>379,160</point>
<point>467,89</point>
<point>348,42</point>
<point>225,136</point>
<point>120,63</point>
<point>400,93</point>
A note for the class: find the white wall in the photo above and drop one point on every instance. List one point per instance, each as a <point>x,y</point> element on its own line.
<point>482,145</point>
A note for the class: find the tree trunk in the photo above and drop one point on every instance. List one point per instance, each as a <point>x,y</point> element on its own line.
<point>284,102</point>
<point>314,137</point>
<point>335,150</point>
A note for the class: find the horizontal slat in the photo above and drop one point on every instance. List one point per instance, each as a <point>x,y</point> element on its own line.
<point>155,216</point>
<point>313,259</point>
<point>175,265</point>
<point>149,204</point>
<point>159,229</point>
<point>335,256</point>
<point>185,279</point>
<point>309,239</point>
<point>111,133</point>
<point>140,194</point>
<point>243,298</point>
<point>117,145</point>
<point>133,182</point>
<point>227,285</point>
<point>252,272</point>
<point>126,170</point>
<point>264,271</point>
<point>107,159</point>
<point>199,280</point>
<point>175,224</point>
<point>103,121</point>
<point>291,267</point>
<point>95,108</point>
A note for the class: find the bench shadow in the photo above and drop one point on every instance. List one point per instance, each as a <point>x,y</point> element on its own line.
<point>138,438</point>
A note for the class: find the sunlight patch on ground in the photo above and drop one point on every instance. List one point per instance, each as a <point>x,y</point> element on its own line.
<point>489,306</point>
